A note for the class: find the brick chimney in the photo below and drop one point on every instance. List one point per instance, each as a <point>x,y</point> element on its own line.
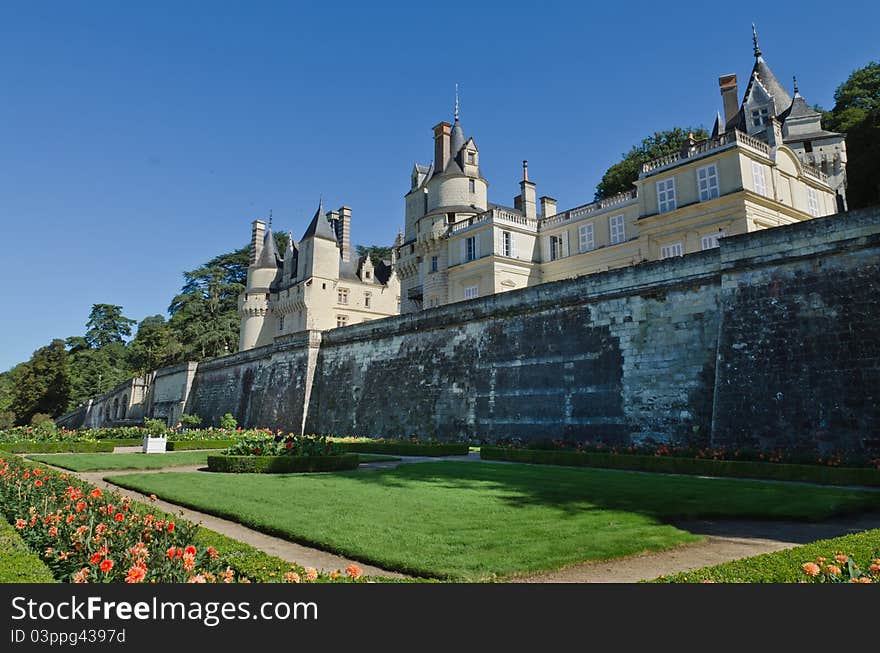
<point>442,136</point>
<point>548,206</point>
<point>258,233</point>
<point>727,83</point>
<point>344,232</point>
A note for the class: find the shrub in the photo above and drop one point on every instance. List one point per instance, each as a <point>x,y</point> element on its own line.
<point>228,422</point>
<point>41,418</point>
<point>7,420</point>
<point>17,563</point>
<point>156,428</point>
<point>185,445</point>
<point>266,444</point>
<point>282,464</point>
<point>407,448</point>
<point>190,421</point>
<point>58,447</point>
<point>674,465</point>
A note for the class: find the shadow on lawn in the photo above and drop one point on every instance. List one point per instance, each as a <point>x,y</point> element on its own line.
<point>664,497</point>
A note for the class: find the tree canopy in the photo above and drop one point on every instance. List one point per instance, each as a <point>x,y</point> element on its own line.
<point>622,175</point>
<point>42,385</point>
<point>107,324</point>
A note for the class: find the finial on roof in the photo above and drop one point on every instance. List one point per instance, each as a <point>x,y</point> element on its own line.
<point>525,170</point>
<point>270,218</point>
<point>755,41</point>
<point>794,79</point>
<point>456,102</point>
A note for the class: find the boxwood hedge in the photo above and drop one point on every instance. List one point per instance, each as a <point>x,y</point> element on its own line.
<point>17,563</point>
<point>282,464</point>
<point>58,447</point>
<point>404,448</point>
<point>185,445</point>
<point>700,466</point>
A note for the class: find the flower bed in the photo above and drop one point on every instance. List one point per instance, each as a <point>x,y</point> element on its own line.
<point>701,466</point>
<point>404,447</point>
<point>86,535</point>
<point>17,563</point>
<point>58,447</point>
<point>282,464</point>
<point>183,445</point>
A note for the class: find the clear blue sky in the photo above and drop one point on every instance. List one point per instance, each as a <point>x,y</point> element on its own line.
<point>139,141</point>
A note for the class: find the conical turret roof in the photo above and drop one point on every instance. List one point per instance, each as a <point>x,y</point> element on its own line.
<point>269,255</point>
<point>320,227</point>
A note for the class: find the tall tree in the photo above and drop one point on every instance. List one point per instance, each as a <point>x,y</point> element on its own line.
<point>153,346</point>
<point>93,371</point>
<point>107,324</point>
<point>622,175</point>
<point>856,113</point>
<point>42,384</point>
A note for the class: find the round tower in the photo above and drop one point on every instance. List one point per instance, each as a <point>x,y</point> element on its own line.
<point>253,304</point>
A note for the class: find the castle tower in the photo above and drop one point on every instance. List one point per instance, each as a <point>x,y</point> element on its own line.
<point>253,304</point>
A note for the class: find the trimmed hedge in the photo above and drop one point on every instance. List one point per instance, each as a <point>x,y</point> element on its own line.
<point>124,442</point>
<point>784,566</point>
<point>698,466</point>
<point>282,464</point>
<point>58,447</point>
<point>404,448</point>
<point>186,445</point>
<point>18,564</point>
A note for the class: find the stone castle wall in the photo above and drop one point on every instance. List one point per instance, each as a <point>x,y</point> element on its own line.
<point>771,340</point>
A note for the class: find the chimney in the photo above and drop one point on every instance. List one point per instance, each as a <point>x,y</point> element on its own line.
<point>258,233</point>
<point>343,234</point>
<point>527,194</point>
<point>442,136</point>
<point>774,134</point>
<point>727,83</point>
<point>548,206</point>
<point>333,219</point>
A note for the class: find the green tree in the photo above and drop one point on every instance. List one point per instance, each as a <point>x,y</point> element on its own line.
<point>153,346</point>
<point>377,253</point>
<point>42,384</point>
<point>107,324</point>
<point>622,175</point>
<point>856,113</point>
<point>95,371</point>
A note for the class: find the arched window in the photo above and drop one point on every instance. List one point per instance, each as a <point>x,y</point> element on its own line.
<point>116,408</point>
<point>124,406</point>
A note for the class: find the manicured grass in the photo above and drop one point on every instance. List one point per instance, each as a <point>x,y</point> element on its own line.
<point>18,564</point>
<point>376,458</point>
<point>89,462</point>
<point>476,521</point>
<point>785,566</point>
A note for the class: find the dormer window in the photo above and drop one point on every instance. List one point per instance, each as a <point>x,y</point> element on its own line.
<point>760,117</point>
<point>470,158</point>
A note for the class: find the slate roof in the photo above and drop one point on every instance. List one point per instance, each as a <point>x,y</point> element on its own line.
<point>269,255</point>
<point>320,227</point>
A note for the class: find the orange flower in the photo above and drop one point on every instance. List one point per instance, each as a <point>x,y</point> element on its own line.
<point>334,574</point>
<point>311,574</point>
<point>212,552</point>
<point>20,523</point>
<point>107,565</point>
<point>291,577</point>
<point>95,494</point>
<point>136,574</point>
<point>834,570</point>
<point>354,571</point>
<point>810,569</point>
<point>119,517</point>
<point>874,568</point>
<point>153,497</point>
<point>81,505</point>
<point>196,579</point>
<point>841,558</point>
<point>861,579</point>
<point>171,552</point>
<point>38,483</point>
<point>53,531</point>
<point>81,575</point>
<point>96,558</point>
<point>190,550</point>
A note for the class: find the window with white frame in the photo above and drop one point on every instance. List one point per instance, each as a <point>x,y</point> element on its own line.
<point>666,195</point>
<point>341,320</point>
<point>471,292</point>
<point>618,232</point>
<point>668,251</point>
<point>707,182</point>
<point>758,179</point>
<point>342,296</point>
<point>556,247</point>
<point>368,298</point>
<point>712,241</point>
<point>472,186</point>
<point>586,239</point>
<point>470,248</point>
<point>506,244</point>
<point>813,202</point>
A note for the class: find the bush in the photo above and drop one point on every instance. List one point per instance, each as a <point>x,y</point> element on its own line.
<point>7,420</point>
<point>701,466</point>
<point>156,428</point>
<point>282,464</point>
<point>190,421</point>
<point>41,418</point>
<point>57,447</point>
<point>406,448</point>
<point>228,422</point>
<point>266,444</point>
<point>17,563</point>
<point>185,445</point>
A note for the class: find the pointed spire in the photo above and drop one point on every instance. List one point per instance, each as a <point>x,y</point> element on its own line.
<point>794,79</point>
<point>320,227</point>
<point>718,127</point>
<point>456,103</point>
<point>457,141</point>
<point>270,218</point>
<point>269,254</point>
<point>755,41</point>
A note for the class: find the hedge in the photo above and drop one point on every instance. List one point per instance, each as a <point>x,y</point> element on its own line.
<point>124,442</point>
<point>403,448</point>
<point>186,445</point>
<point>282,464</point>
<point>58,447</point>
<point>699,466</point>
<point>18,564</point>
<point>784,566</point>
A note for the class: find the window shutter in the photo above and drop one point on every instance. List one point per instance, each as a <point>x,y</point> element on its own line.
<point>499,242</point>
<point>512,244</point>
<point>476,246</point>
<point>565,236</point>
<point>545,249</point>
<point>463,250</point>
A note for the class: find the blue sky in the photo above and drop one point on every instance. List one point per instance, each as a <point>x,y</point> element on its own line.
<point>139,141</point>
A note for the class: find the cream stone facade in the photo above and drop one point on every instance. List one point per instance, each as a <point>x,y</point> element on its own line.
<point>767,163</point>
<point>318,284</point>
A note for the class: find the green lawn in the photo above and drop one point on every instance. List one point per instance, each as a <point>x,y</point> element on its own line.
<point>474,521</point>
<point>785,566</point>
<point>89,462</point>
<point>376,458</point>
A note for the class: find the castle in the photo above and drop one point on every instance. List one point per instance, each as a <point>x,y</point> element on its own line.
<point>767,163</point>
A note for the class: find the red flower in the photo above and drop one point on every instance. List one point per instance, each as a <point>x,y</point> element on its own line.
<point>95,494</point>
<point>170,528</point>
<point>136,574</point>
<point>107,565</point>
<point>80,506</point>
<point>256,451</point>
<point>95,559</point>
<point>212,552</point>
<point>289,444</point>
<point>38,483</point>
<point>119,517</point>
<point>190,550</point>
<point>171,553</point>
